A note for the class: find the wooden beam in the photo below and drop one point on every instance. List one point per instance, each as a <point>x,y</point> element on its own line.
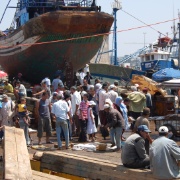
<point>16,157</point>
<point>88,167</point>
<point>43,176</point>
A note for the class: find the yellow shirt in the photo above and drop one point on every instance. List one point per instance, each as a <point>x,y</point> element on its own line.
<point>21,107</point>
<point>8,87</point>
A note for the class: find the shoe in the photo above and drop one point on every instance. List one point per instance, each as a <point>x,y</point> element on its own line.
<point>117,150</point>
<point>59,148</point>
<point>112,145</point>
<point>49,142</point>
<point>68,147</point>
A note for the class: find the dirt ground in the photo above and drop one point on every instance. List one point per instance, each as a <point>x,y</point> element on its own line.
<point>109,155</point>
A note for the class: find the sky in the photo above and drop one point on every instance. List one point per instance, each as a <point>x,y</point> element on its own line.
<point>148,11</point>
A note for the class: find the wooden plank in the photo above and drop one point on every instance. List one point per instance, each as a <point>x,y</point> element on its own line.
<point>43,176</point>
<point>16,157</point>
<point>90,167</point>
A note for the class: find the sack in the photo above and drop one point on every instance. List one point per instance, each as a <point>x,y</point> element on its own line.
<point>104,132</point>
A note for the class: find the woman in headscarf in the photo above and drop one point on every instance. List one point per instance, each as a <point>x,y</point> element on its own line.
<point>123,108</point>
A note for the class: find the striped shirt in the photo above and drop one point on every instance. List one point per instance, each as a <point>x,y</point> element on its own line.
<point>84,109</point>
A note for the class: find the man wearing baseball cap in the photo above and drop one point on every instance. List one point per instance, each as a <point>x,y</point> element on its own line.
<point>134,154</point>
<point>165,156</point>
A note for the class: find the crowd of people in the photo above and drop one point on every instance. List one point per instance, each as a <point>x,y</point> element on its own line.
<point>83,110</point>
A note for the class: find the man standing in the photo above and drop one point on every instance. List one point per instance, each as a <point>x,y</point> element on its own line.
<point>7,111</point>
<point>115,123</point>
<point>75,102</point>
<point>112,94</point>
<point>143,120</point>
<point>81,76</point>
<point>133,152</point>
<point>60,110</point>
<point>43,109</point>
<point>48,82</point>
<point>164,156</point>
<point>148,98</point>
<point>137,103</point>
<point>101,97</point>
<point>55,83</point>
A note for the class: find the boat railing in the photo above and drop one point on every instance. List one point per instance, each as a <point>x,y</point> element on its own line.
<point>52,3</point>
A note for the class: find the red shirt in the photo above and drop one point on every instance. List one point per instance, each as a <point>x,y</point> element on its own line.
<point>83,109</point>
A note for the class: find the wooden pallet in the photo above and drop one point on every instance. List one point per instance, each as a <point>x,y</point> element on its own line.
<point>91,168</point>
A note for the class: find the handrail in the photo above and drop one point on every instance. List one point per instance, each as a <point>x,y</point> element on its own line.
<point>83,3</point>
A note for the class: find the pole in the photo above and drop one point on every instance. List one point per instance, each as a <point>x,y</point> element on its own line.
<point>115,37</point>
<point>144,39</point>
<point>179,47</point>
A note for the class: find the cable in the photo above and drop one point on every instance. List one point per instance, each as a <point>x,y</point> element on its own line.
<point>143,22</point>
<point>84,37</point>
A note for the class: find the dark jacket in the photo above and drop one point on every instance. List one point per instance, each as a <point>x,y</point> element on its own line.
<point>114,119</point>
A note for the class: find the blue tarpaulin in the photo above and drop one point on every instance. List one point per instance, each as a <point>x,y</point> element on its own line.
<point>166,74</point>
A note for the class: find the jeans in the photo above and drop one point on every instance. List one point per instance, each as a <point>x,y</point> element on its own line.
<point>139,163</point>
<point>70,128</point>
<point>62,123</point>
<point>115,135</point>
<point>25,127</point>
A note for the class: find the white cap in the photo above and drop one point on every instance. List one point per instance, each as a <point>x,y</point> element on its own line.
<point>92,103</point>
<point>98,85</point>
<point>112,86</point>
<point>106,106</point>
<point>83,93</point>
<point>163,129</point>
<point>137,85</point>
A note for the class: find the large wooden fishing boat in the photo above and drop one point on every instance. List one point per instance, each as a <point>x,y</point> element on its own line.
<point>60,37</point>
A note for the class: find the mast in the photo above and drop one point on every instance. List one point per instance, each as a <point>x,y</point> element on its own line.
<point>116,6</point>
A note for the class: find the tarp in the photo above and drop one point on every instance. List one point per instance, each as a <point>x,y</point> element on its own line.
<point>173,84</point>
<point>166,74</point>
<point>145,82</point>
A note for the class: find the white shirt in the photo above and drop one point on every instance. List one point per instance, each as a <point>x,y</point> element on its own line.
<point>112,95</point>
<point>55,83</point>
<point>22,89</point>
<point>70,109</point>
<point>47,80</point>
<point>60,109</point>
<point>82,75</point>
<point>75,100</point>
<point>102,97</point>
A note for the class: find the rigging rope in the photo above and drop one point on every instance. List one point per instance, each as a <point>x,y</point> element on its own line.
<point>84,37</point>
<point>143,22</point>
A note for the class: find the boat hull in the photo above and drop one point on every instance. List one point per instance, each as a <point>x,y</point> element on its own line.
<point>107,72</point>
<point>53,42</point>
